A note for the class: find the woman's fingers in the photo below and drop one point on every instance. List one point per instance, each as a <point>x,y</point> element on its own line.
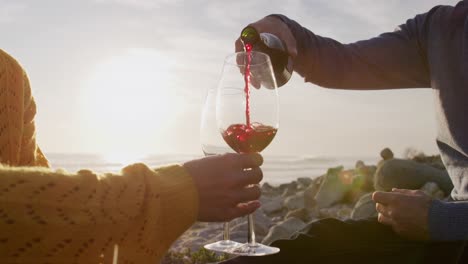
<point>247,194</point>
<point>248,177</point>
<point>250,160</point>
<point>243,209</point>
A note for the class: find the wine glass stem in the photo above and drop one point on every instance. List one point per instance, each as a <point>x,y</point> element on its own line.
<point>226,235</point>
<point>251,235</point>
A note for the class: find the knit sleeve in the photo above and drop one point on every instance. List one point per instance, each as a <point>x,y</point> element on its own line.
<point>17,111</point>
<point>55,217</point>
<point>30,153</point>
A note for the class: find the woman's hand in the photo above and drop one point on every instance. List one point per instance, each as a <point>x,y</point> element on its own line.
<point>226,190</point>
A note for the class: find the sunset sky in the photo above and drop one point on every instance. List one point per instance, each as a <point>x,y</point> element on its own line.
<point>129,76</point>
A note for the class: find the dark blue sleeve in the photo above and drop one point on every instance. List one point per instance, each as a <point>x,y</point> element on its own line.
<point>392,60</point>
<point>448,221</point>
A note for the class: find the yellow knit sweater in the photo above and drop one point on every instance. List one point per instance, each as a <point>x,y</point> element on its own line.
<point>51,216</point>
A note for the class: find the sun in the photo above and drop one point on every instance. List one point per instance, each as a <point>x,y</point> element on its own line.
<point>125,102</point>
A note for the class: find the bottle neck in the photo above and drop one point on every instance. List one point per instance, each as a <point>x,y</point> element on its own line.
<point>250,36</point>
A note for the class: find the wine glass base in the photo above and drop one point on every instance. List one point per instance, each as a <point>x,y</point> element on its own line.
<point>257,250</point>
<point>223,246</point>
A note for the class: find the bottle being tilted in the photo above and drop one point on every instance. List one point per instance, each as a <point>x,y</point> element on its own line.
<point>273,47</point>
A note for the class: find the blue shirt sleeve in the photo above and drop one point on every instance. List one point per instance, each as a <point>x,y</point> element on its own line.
<point>448,220</point>
<point>391,60</point>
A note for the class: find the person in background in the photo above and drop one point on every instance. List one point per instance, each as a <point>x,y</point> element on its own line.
<point>429,50</point>
<point>49,216</point>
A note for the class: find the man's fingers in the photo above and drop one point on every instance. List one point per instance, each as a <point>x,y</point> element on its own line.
<point>277,27</point>
<point>239,46</point>
<point>406,191</point>
<point>256,82</point>
<point>247,177</point>
<point>250,160</point>
<point>243,209</point>
<point>247,194</point>
<point>384,219</point>
<point>384,197</point>
<point>382,209</point>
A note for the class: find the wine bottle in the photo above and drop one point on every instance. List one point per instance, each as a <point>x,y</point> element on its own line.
<point>273,47</point>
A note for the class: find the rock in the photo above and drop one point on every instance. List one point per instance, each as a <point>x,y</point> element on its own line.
<point>360,164</point>
<point>434,161</point>
<point>344,213</point>
<point>295,201</point>
<point>340,211</point>
<point>313,214</point>
<point>408,174</point>
<point>194,243</point>
<point>433,190</point>
<point>277,219</point>
<point>364,208</point>
<point>334,187</point>
<point>236,235</point>
<point>439,195</point>
<point>283,230</point>
<point>292,185</point>
<point>262,226</point>
<point>275,205</point>
<point>309,196</point>
<point>430,188</point>
<point>209,232</point>
<point>304,182</point>
<point>362,183</point>
<point>290,190</point>
<point>386,154</point>
<point>367,173</point>
<point>318,181</point>
<point>264,199</point>
<point>262,223</point>
<point>301,213</point>
<point>267,188</point>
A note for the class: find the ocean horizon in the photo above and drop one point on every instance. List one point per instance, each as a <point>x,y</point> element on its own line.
<point>277,169</point>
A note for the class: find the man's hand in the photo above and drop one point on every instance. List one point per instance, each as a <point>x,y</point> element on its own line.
<point>226,190</point>
<point>276,27</point>
<point>405,210</point>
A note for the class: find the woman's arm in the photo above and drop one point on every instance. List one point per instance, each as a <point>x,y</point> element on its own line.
<point>59,217</point>
<point>17,111</point>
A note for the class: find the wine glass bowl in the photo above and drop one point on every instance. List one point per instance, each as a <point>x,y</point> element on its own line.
<point>248,118</point>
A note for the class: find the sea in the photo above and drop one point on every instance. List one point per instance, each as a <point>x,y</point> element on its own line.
<point>276,169</point>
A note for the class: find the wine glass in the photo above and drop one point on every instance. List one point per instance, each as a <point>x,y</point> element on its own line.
<point>213,144</point>
<point>247,117</point>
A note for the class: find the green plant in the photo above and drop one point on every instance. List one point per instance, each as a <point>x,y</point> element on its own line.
<point>202,256</point>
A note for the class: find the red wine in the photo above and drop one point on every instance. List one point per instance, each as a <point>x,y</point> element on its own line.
<point>248,48</point>
<point>247,139</point>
